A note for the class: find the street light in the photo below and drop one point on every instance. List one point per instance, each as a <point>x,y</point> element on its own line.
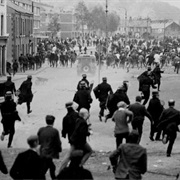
<point>106,26</point>
<point>125,21</point>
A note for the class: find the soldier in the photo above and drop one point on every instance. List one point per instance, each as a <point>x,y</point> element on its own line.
<point>9,116</point>
<point>82,97</point>
<point>9,86</point>
<point>101,92</point>
<point>145,82</point>
<point>155,109</point>
<point>26,94</point>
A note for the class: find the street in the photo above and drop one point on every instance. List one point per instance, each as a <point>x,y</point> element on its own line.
<point>53,87</point>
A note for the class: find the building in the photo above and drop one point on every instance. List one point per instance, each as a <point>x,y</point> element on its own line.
<point>20,30</point>
<point>33,6</point>
<point>3,37</point>
<point>163,28</point>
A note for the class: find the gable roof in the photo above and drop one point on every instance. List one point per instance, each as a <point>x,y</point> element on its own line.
<point>17,8</point>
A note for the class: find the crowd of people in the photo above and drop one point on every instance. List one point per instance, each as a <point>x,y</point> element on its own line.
<point>129,159</point>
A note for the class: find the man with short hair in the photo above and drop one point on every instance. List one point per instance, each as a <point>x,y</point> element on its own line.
<point>84,79</point>
<point>129,161</point>
<point>26,94</point>
<point>139,112</point>
<point>28,164</point>
<point>168,123</point>
<point>121,118</point>
<point>50,144</point>
<point>101,92</point>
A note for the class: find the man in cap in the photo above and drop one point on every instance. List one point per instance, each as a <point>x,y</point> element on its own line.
<point>139,112</point>
<point>84,79</point>
<point>28,164</point>
<point>101,92</point>
<point>168,123</point>
<point>26,94</point>
<point>121,118</point>
<point>9,86</point>
<point>9,116</point>
<point>83,97</point>
<point>155,109</point>
<point>50,144</point>
<point>145,83</point>
<point>129,160</point>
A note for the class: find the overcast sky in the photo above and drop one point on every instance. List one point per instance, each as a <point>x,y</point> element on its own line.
<point>172,2</point>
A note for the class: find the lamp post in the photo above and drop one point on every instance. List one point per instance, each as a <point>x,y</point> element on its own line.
<point>125,22</point>
<point>106,26</point>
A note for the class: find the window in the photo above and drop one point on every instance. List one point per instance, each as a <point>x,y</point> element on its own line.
<point>2,2</point>
<point>2,25</point>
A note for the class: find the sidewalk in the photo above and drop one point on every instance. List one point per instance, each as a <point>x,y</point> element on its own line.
<point>21,75</point>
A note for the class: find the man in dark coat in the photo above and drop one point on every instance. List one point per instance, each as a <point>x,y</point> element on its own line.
<point>3,167</point>
<point>28,164</point>
<point>26,94</point>
<point>74,171</point>
<point>119,95</point>
<point>157,74</point>
<point>129,160</point>
<point>145,83</point>
<point>82,97</point>
<point>9,116</point>
<point>139,112</point>
<point>155,109</point>
<point>50,145</point>
<point>168,123</point>
<point>69,121</point>
<point>9,86</point>
<point>101,92</point>
<point>15,67</point>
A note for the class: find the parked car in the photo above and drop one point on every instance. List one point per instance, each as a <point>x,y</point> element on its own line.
<point>86,64</point>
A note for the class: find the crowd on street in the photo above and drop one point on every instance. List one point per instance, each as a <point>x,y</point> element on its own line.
<point>129,159</point>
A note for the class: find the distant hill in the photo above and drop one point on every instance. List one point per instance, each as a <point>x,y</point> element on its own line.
<point>155,9</point>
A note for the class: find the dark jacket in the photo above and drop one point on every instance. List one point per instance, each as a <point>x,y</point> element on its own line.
<point>78,173</point>
<point>86,82</point>
<point>119,95</point>
<point>26,94</point>
<point>168,116</point>
<point>155,108</point>
<point>27,165</point>
<point>130,161</point>
<point>50,143</point>
<point>9,86</point>
<point>139,112</point>
<point>78,138</point>
<point>69,122</point>
<point>83,99</point>
<point>103,90</point>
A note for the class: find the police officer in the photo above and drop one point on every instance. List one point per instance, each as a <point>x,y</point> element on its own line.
<point>101,92</point>
<point>155,109</point>
<point>9,116</point>
<point>84,79</point>
<point>26,94</point>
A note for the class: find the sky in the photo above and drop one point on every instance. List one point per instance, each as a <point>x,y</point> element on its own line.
<point>171,2</point>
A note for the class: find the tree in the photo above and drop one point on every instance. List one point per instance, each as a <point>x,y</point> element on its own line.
<point>113,22</point>
<point>54,25</point>
<point>81,14</point>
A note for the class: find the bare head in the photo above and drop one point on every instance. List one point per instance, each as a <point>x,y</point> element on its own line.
<point>84,113</point>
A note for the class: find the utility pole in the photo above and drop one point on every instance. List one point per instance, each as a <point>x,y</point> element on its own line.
<point>106,27</point>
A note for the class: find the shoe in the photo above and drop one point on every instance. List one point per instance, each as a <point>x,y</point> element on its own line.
<point>151,138</point>
<point>9,146</point>
<point>168,155</point>
<point>100,118</point>
<point>165,139</point>
<point>2,136</point>
<point>29,112</point>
